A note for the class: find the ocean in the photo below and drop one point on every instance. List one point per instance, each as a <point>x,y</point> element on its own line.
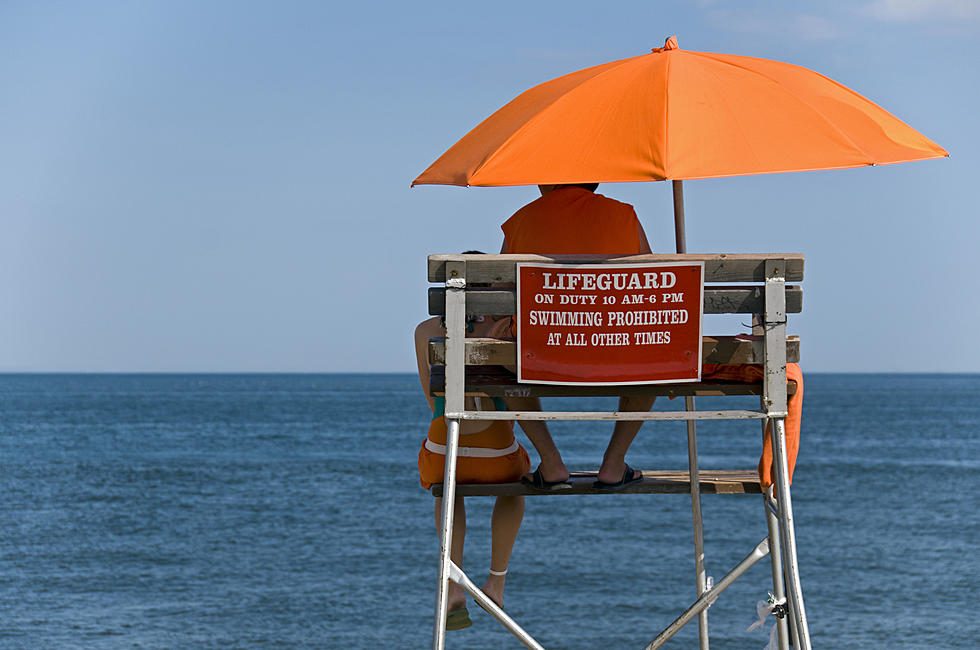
<point>284,511</point>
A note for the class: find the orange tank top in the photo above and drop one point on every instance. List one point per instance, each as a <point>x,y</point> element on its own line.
<point>573,220</point>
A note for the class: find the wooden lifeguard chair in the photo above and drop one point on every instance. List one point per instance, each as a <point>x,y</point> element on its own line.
<point>732,284</point>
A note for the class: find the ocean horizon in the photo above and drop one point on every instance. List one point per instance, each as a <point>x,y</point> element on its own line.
<point>260,510</point>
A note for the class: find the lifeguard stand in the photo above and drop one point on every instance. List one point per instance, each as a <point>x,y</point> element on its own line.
<point>472,366</point>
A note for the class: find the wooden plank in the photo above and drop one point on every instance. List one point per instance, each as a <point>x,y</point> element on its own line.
<point>494,381</point>
<point>718,299</point>
<point>654,482</point>
<point>718,267</point>
<point>714,349</point>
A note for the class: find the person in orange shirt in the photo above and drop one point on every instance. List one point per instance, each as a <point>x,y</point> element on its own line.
<point>573,219</point>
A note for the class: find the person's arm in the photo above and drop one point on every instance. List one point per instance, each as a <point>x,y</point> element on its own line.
<point>425,330</point>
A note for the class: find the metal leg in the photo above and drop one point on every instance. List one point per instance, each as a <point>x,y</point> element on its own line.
<point>790,563</point>
<point>446,535</point>
<point>794,631</point>
<point>778,588</point>
<point>790,622</point>
<point>695,476</point>
<point>455,381</point>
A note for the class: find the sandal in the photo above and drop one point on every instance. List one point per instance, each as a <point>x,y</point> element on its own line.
<point>538,482</point>
<point>458,619</point>
<point>619,485</point>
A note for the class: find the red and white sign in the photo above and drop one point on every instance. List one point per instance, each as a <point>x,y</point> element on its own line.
<point>609,324</point>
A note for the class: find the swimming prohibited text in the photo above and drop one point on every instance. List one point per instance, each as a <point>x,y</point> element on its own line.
<point>619,324</point>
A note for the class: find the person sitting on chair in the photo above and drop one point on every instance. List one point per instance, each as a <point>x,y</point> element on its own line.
<point>487,453</point>
<point>572,219</point>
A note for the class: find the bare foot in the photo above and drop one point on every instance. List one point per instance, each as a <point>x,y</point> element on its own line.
<point>494,589</point>
<point>457,597</point>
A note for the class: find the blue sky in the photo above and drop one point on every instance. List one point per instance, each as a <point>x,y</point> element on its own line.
<point>224,186</point>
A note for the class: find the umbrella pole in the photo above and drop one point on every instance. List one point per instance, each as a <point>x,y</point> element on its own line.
<point>680,237</point>
<point>680,240</point>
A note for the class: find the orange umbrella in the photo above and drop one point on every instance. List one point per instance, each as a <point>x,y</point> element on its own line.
<point>674,114</point>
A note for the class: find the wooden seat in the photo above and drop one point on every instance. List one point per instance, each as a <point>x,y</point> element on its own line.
<point>484,357</point>
<point>654,482</point>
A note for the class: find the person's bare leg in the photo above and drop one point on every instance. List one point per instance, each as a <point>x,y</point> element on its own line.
<point>552,466</point>
<point>504,524</point>
<point>614,460</point>
<point>457,597</point>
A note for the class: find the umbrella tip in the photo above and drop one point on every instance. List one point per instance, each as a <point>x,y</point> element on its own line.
<point>669,44</point>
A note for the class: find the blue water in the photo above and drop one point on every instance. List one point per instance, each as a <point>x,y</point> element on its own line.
<point>283,511</point>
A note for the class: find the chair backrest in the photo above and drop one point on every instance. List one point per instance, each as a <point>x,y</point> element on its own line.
<point>734,284</point>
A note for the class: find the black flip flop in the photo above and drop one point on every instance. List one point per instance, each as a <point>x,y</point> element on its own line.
<point>619,485</point>
<point>537,482</point>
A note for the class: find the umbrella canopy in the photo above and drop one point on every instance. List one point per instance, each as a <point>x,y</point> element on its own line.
<point>675,114</point>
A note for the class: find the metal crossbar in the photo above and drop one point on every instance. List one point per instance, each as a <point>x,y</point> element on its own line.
<point>670,416</point>
<point>458,576</point>
<point>709,596</point>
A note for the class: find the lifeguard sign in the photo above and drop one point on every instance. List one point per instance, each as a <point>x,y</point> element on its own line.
<point>608,325</point>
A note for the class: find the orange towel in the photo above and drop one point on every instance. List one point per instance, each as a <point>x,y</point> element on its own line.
<point>745,372</point>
